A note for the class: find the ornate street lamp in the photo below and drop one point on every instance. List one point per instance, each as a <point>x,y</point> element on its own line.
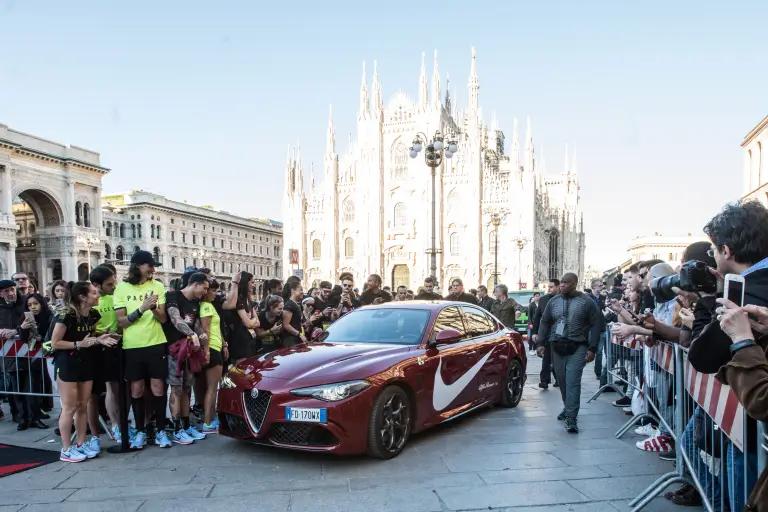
<point>200,253</point>
<point>433,157</point>
<point>497,216</point>
<point>521,242</point>
<point>89,241</point>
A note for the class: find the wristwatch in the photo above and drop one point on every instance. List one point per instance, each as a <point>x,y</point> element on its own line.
<point>742,344</point>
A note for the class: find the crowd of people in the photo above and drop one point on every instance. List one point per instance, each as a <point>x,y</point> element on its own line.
<point>721,338</point>
<point>176,343</point>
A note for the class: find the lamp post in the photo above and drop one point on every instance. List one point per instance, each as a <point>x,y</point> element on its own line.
<point>521,242</point>
<point>497,216</point>
<point>89,241</point>
<point>433,157</point>
<point>200,253</point>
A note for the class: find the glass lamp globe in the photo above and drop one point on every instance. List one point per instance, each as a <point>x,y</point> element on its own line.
<point>452,147</point>
<point>448,154</point>
<point>438,145</point>
<point>412,153</point>
<point>417,146</point>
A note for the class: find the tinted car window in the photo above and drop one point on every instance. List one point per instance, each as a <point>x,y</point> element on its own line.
<point>478,323</point>
<point>397,326</point>
<point>449,318</point>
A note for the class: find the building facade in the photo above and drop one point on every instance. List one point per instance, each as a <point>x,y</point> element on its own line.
<point>370,211</point>
<point>180,234</point>
<point>660,247</point>
<point>50,203</point>
<point>755,175</point>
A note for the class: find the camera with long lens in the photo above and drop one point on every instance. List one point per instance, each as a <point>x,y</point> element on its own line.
<point>694,277</point>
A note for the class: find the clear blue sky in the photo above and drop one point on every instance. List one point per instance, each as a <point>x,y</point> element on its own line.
<point>199,100</point>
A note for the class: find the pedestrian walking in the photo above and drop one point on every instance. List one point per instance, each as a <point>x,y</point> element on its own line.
<point>571,325</point>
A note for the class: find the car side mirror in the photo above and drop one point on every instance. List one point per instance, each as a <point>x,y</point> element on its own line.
<point>445,336</point>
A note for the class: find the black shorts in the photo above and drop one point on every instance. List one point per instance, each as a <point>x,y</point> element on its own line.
<point>105,368</point>
<point>216,359</point>
<point>74,366</point>
<point>146,363</point>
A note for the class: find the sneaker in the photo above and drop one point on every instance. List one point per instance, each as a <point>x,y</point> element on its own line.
<point>561,416</point>
<point>116,434</point>
<point>647,431</point>
<point>94,444</point>
<point>139,441</point>
<point>670,456</point>
<point>195,434</point>
<point>181,437</point>
<point>86,450</point>
<point>627,410</point>
<point>658,444</point>
<point>213,428</point>
<point>571,425</point>
<point>162,440</point>
<point>622,402</point>
<point>556,384</point>
<point>71,454</point>
<point>543,385</point>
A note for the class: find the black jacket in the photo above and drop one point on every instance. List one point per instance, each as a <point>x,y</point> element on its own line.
<point>710,348</point>
<point>464,297</point>
<point>425,295</point>
<point>539,311</point>
<point>486,302</point>
<point>582,321</point>
<point>11,315</point>
<point>533,309</point>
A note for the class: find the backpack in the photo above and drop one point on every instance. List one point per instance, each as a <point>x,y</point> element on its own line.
<point>48,350</point>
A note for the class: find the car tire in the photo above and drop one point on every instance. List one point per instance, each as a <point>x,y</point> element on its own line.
<point>512,390</point>
<point>388,433</point>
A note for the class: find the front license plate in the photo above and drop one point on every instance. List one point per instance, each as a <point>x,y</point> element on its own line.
<point>306,415</point>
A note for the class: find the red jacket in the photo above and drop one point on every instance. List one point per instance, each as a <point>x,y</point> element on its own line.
<point>182,351</point>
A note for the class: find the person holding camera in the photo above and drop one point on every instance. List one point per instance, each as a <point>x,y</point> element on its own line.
<point>739,236</point>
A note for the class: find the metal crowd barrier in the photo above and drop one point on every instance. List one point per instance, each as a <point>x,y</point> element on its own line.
<point>711,429</point>
<point>27,376</point>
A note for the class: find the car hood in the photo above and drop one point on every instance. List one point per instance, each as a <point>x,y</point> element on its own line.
<point>318,360</point>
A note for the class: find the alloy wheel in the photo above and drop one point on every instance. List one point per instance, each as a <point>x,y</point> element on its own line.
<point>395,423</point>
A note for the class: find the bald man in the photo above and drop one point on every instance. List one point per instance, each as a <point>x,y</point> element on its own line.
<point>571,324</point>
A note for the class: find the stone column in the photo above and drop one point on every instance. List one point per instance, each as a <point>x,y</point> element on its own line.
<point>43,277</point>
<point>7,198</point>
<point>70,199</point>
<point>97,213</point>
<point>11,263</point>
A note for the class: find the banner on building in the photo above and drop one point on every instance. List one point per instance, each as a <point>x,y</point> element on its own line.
<point>294,253</point>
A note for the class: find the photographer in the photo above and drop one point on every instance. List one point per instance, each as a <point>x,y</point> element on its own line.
<point>739,236</point>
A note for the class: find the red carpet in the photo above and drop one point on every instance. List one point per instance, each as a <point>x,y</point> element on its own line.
<point>15,459</point>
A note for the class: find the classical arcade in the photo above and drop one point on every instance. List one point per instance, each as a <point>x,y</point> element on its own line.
<point>49,206</point>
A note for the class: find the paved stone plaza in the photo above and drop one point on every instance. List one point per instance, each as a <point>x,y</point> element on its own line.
<point>497,459</point>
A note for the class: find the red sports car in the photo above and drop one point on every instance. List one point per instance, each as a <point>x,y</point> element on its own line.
<point>379,374</point>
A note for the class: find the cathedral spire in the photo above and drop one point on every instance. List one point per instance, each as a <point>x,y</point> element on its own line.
<point>474,86</point>
<point>330,142</point>
<point>515,146</point>
<point>529,155</point>
<point>448,94</point>
<point>436,86</point>
<point>423,94</point>
<point>363,110</point>
<point>376,102</point>
<point>299,170</point>
<point>312,175</point>
<point>289,173</point>
<point>566,159</point>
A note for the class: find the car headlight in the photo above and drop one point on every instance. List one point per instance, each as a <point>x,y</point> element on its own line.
<point>333,392</point>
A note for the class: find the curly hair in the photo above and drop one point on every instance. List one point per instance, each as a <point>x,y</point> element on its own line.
<point>743,227</point>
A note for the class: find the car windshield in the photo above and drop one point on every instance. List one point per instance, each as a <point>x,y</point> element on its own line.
<point>396,326</point>
<point>522,298</point>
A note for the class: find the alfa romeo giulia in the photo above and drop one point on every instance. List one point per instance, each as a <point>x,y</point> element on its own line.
<point>379,374</point>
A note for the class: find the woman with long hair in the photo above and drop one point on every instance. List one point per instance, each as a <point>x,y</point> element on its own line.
<point>244,320</point>
<point>31,377</point>
<point>216,352</point>
<point>72,339</point>
<point>271,322</point>
<point>57,296</point>
<point>293,293</point>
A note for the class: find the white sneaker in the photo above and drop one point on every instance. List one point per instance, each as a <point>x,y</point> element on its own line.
<point>647,431</point>
<point>71,454</point>
<point>627,409</point>
<point>86,450</point>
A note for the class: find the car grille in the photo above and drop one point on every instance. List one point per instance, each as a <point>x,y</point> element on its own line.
<point>301,434</point>
<point>237,425</point>
<point>256,408</point>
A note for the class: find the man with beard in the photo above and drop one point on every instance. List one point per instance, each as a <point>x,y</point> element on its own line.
<point>374,291</point>
<point>428,293</point>
<point>11,320</point>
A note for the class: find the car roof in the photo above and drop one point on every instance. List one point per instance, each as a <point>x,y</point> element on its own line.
<point>430,305</point>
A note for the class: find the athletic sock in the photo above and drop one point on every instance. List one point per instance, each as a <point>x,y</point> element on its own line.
<point>138,413</point>
<point>159,405</point>
<point>185,422</point>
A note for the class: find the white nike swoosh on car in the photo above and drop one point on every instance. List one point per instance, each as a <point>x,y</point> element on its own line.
<point>444,394</point>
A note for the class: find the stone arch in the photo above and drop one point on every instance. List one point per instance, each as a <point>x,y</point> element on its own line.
<point>44,203</point>
<point>401,276</point>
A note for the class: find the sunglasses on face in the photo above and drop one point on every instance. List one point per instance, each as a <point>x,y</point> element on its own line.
<point>24,278</point>
<point>346,285</point>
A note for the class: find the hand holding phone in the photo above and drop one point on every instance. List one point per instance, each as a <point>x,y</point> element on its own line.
<point>734,289</point>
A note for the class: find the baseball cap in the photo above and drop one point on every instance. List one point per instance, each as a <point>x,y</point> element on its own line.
<point>144,257</point>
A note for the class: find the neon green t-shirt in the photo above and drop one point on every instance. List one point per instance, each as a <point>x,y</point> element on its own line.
<point>147,331</point>
<point>108,321</point>
<point>207,309</point>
